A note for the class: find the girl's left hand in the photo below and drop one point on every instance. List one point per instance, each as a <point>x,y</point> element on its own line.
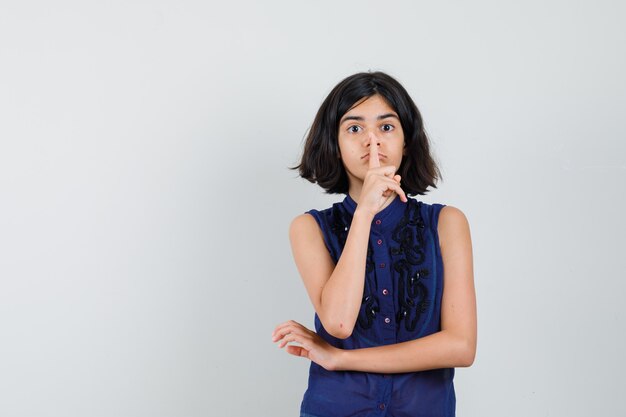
<point>312,347</point>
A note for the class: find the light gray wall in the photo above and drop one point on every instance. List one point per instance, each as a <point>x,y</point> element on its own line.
<point>145,198</point>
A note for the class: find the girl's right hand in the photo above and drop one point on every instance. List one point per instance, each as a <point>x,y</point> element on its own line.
<point>380,185</point>
<point>311,345</point>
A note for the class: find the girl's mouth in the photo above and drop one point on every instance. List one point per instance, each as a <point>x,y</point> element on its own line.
<point>380,155</point>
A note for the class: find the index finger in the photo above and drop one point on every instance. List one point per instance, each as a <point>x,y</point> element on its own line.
<point>374,162</point>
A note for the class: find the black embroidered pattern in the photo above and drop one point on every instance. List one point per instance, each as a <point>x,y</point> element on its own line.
<point>369,309</point>
<point>340,224</point>
<point>412,296</point>
<point>412,293</point>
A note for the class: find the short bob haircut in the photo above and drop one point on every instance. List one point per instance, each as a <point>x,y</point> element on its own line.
<point>321,162</point>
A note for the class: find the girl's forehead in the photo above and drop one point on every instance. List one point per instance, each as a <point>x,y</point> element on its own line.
<point>373,103</point>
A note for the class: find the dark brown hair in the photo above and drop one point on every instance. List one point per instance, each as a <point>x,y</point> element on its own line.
<point>321,161</point>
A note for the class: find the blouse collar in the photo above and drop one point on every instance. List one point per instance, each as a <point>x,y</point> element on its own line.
<point>388,216</point>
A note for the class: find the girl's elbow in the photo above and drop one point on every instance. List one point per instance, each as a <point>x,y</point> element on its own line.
<point>466,361</point>
<point>335,326</point>
<point>338,330</point>
<point>467,354</point>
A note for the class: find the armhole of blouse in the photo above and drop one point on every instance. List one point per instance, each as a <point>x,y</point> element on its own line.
<point>320,223</point>
<point>435,224</point>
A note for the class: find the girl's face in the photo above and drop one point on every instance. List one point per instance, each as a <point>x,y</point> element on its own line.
<point>370,116</point>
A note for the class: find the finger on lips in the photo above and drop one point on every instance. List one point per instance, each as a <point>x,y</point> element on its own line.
<point>373,162</point>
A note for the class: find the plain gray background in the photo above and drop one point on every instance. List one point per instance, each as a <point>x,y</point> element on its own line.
<point>145,195</point>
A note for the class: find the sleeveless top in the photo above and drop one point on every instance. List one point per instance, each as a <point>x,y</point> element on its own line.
<point>401,301</point>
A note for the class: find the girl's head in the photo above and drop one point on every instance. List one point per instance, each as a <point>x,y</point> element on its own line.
<point>322,161</point>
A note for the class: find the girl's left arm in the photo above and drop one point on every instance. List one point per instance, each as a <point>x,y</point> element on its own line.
<point>453,346</point>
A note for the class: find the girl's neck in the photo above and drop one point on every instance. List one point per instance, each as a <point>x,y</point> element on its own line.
<point>355,193</point>
<point>354,190</point>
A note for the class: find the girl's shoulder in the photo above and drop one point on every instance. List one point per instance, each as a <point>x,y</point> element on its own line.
<point>451,215</point>
<point>452,226</point>
<point>327,225</point>
<point>314,218</point>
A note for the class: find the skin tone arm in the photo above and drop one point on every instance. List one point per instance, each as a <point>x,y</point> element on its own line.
<point>453,346</point>
<point>336,290</point>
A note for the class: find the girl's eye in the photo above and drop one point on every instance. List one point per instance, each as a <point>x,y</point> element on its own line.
<point>354,129</point>
<point>387,128</point>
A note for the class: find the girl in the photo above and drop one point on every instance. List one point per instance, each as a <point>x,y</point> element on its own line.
<point>390,277</point>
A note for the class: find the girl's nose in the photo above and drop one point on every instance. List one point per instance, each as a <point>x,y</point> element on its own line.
<point>372,140</point>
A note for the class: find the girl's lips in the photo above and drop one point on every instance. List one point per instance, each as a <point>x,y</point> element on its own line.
<point>380,155</point>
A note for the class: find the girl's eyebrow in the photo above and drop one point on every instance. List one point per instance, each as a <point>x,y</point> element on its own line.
<point>360,118</point>
<point>386,115</point>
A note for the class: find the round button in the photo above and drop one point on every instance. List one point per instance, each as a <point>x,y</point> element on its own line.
<point>385,291</point>
<point>381,406</point>
<point>378,221</point>
<point>382,265</point>
<point>379,241</point>
<point>387,320</point>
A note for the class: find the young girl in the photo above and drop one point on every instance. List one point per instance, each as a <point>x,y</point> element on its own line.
<point>390,277</point>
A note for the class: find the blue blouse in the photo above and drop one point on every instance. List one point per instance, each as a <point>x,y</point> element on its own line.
<point>401,301</point>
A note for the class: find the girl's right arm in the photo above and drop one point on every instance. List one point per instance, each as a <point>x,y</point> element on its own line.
<point>336,290</point>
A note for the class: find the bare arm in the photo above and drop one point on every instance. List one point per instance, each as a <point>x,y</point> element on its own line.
<point>336,290</point>
<point>453,346</point>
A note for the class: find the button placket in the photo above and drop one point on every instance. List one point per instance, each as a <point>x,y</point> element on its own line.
<point>381,258</point>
